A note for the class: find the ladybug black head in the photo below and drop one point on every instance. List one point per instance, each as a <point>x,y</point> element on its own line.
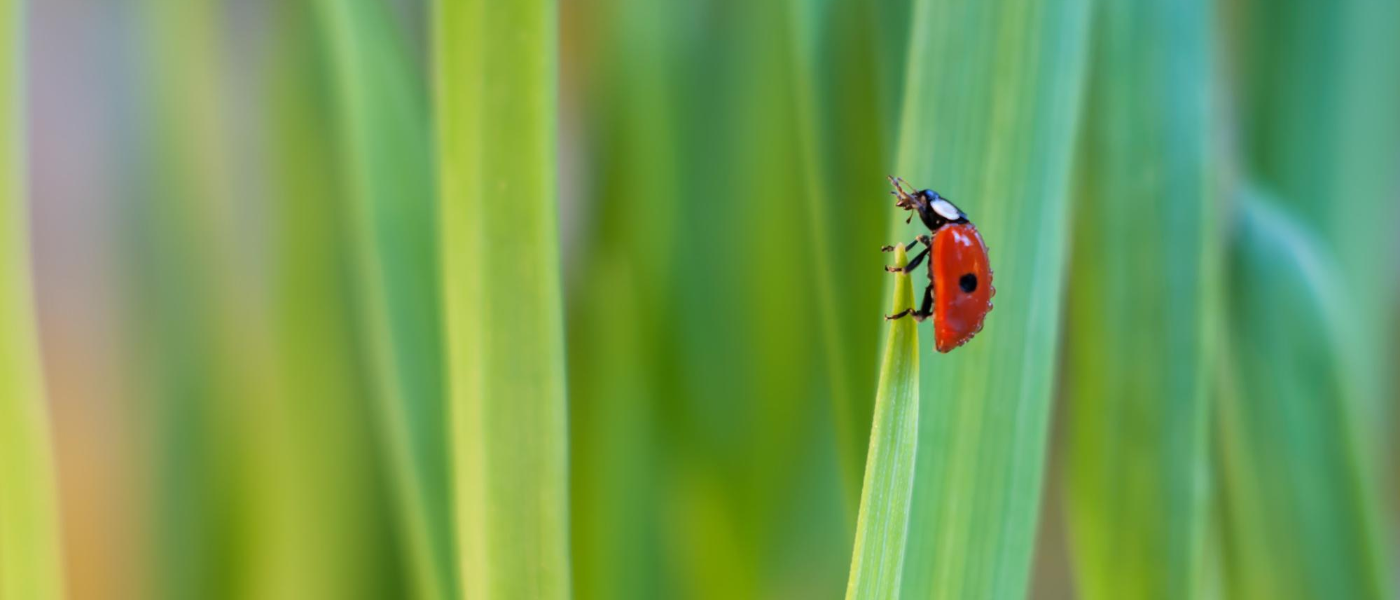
<point>934,210</point>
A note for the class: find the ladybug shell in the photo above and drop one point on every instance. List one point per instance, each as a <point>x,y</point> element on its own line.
<point>962,284</point>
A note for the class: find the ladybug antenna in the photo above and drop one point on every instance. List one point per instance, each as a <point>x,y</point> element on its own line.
<point>905,200</point>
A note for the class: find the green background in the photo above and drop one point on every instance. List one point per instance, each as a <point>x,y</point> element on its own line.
<point>537,299</point>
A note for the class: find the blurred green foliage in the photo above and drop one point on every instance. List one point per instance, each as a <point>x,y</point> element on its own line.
<point>526,298</point>
<point>1143,304</point>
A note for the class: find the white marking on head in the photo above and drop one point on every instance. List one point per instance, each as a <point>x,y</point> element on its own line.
<point>946,209</point>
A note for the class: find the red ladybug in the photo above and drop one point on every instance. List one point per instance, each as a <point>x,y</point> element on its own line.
<point>959,292</point>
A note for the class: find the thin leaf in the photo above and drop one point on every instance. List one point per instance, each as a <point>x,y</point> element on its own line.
<point>326,527</point>
<point>186,311</point>
<point>990,114</point>
<point>835,95</point>
<point>382,113</point>
<point>1300,513</point>
<point>619,282</point>
<point>1318,87</point>
<point>495,80</point>
<point>1142,305</point>
<point>30,562</point>
<point>883,525</point>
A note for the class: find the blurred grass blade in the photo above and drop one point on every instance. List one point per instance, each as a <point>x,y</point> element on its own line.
<point>832,53</point>
<point>619,284</point>
<point>991,107</point>
<point>383,121</point>
<point>186,308</point>
<point>319,418</point>
<point>495,79</point>
<point>1142,305</point>
<point>1318,87</point>
<point>1300,517</point>
<point>883,524</point>
<point>30,564</point>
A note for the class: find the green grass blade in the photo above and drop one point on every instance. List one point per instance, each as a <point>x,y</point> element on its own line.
<point>30,563</point>
<point>387,158</point>
<point>1142,304</point>
<point>619,286</point>
<point>1300,515</point>
<point>326,518</point>
<point>883,525</point>
<point>184,309</point>
<point>496,96</point>
<point>1318,86</point>
<point>833,78</point>
<point>991,108</point>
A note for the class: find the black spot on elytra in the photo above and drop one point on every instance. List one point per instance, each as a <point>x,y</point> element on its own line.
<point>968,283</point>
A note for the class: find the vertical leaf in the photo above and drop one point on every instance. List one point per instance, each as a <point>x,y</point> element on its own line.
<point>382,112</point>
<point>883,525</point>
<point>620,282</point>
<point>835,97</point>
<point>991,108</point>
<point>1319,82</point>
<point>1141,305</point>
<point>30,562</point>
<point>185,309</point>
<point>495,80</point>
<point>319,500</point>
<point>1299,514</point>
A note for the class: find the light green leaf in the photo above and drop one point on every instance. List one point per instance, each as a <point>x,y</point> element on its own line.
<point>496,109</point>
<point>883,525</point>
<point>991,107</point>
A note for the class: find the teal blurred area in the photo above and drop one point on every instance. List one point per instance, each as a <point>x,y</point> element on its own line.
<point>1187,389</point>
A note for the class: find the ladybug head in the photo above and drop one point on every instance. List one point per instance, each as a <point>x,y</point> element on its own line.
<point>934,210</point>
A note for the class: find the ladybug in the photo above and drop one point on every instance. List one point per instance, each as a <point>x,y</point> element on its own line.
<point>959,292</point>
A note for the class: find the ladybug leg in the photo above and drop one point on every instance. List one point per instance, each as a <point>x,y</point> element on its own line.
<point>909,245</point>
<point>926,310</point>
<point>912,264</point>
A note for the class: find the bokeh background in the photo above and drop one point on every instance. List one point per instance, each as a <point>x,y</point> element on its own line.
<point>240,225</point>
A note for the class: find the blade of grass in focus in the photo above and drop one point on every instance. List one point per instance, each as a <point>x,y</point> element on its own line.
<point>496,96</point>
<point>382,111</point>
<point>1300,519</point>
<point>30,562</point>
<point>991,106</point>
<point>881,529</point>
<point>1142,305</point>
